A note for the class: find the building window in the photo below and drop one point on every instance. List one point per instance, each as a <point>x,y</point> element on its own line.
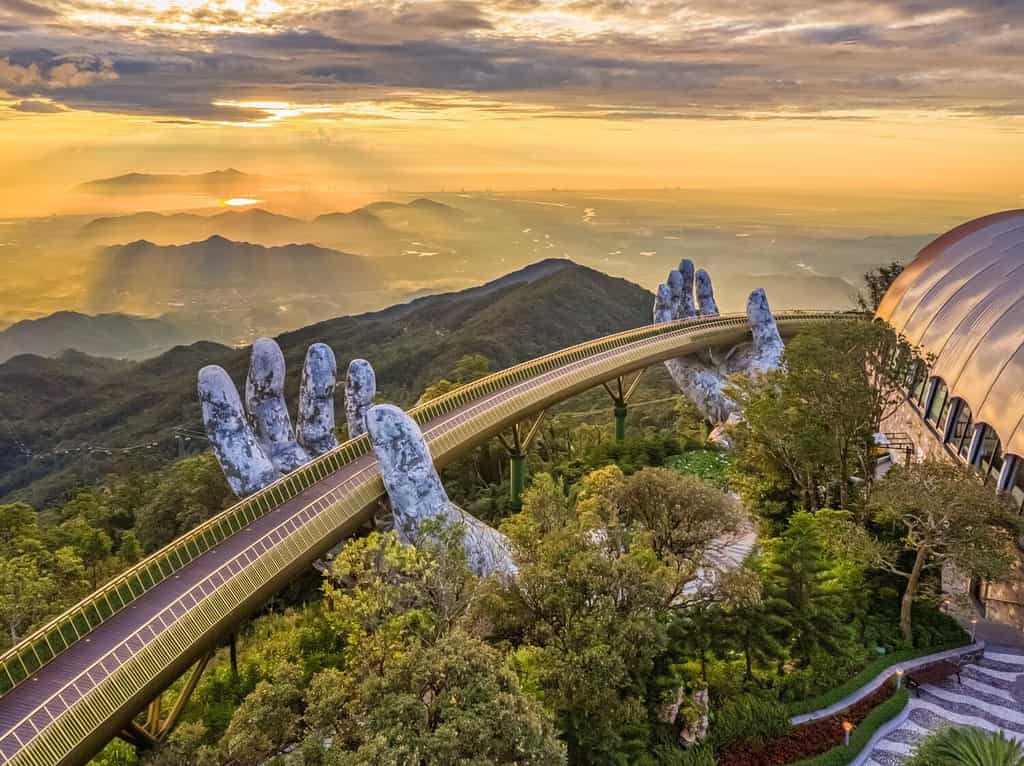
<point>917,387</point>
<point>1017,489</point>
<point>963,429</point>
<point>991,458</point>
<point>939,405</point>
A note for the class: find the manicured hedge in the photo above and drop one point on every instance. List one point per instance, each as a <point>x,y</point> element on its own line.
<point>864,677</point>
<point>861,735</point>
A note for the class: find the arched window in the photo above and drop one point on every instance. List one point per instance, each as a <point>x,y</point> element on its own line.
<point>990,460</point>
<point>938,411</point>
<point>963,429</point>
<point>917,384</point>
<point>1017,488</point>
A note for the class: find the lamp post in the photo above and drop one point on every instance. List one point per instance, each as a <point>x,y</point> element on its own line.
<point>974,628</point>
<point>847,728</point>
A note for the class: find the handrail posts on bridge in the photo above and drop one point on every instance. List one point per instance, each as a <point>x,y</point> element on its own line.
<point>621,395</point>
<point>517,450</point>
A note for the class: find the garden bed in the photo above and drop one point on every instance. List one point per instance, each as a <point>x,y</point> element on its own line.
<point>806,741</point>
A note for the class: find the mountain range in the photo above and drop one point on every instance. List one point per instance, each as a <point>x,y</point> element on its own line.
<point>223,182</point>
<point>110,335</point>
<point>76,401</point>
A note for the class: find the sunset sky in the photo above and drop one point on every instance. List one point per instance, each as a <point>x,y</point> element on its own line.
<point>881,96</point>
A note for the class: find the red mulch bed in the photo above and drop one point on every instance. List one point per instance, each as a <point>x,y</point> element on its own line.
<point>805,741</point>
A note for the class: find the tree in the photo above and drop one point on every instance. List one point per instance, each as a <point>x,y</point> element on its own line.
<point>469,368</point>
<point>797,575</point>
<point>589,610</point>
<point>185,746</point>
<point>876,283</point>
<point>815,419</point>
<point>453,701</point>
<point>268,719</point>
<point>189,492</point>
<point>754,622</point>
<point>942,513</point>
<point>686,518</point>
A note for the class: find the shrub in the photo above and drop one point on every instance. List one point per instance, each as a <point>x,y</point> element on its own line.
<point>967,747</point>
<point>752,718</point>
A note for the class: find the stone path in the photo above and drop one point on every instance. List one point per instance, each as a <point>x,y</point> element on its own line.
<point>987,698</point>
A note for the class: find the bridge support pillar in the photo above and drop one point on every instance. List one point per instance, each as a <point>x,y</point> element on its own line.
<point>155,730</point>
<point>620,394</point>
<point>521,439</point>
<point>233,650</point>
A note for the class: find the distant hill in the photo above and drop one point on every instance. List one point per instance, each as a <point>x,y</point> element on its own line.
<point>360,230</point>
<point>70,401</point>
<point>142,277</point>
<point>223,182</point>
<point>110,335</point>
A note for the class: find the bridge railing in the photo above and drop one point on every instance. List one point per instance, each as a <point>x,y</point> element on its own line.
<point>42,645</point>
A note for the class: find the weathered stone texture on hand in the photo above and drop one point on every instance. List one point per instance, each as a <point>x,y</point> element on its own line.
<point>360,389</point>
<point>316,400</point>
<point>268,413</point>
<point>246,466</point>
<point>417,495</point>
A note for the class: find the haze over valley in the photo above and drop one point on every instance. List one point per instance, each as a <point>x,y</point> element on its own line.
<point>236,267</point>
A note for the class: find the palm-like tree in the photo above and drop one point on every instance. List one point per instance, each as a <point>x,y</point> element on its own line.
<point>968,747</point>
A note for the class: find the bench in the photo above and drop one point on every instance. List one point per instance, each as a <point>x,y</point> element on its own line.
<point>939,671</point>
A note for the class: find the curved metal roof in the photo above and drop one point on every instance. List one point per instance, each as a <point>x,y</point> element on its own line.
<point>962,300</point>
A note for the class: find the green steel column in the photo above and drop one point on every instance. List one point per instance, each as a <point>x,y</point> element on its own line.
<point>516,479</point>
<point>620,421</point>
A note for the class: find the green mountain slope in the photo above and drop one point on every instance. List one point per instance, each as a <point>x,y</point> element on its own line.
<point>68,403</point>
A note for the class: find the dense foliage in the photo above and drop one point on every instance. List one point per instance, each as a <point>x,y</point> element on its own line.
<point>967,747</point>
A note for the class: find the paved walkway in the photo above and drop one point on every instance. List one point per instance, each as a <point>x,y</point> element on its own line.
<point>991,697</point>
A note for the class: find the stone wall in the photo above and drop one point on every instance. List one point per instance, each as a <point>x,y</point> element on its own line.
<point>927,443</point>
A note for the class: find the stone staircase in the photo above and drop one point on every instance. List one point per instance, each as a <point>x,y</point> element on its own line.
<point>991,696</point>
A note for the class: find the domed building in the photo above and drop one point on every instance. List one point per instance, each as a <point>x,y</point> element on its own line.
<point>961,300</point>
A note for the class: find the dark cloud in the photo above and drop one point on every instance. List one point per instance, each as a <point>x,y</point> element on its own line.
<point>705,58</point>
<point>37,107</point>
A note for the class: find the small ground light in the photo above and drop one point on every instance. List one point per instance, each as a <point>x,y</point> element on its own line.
<point>974,628</point>
<point>899,678</point>
<point>847,728</point>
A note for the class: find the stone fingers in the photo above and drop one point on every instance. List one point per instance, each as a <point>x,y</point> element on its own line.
<point>360,390</point>
<point>767,347</point>
<point>316,400</point>
<point>246,466</point>
<point>706,294</point>
<point>686,305</point>
<point>268,413</point>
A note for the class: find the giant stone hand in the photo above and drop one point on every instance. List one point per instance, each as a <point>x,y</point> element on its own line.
<point>417,494</point>
<point>703,377</point>
<point>256,445</point>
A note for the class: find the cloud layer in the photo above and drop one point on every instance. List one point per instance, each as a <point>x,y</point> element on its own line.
<point>617,59</point>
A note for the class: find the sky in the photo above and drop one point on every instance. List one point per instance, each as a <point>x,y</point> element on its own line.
<point>915,97</point>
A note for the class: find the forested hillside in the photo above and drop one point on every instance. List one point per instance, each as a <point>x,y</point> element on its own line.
<point>65,420</point>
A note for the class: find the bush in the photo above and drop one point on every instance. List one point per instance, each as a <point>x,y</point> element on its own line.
<point>751,718</point>
<point>865,676</point>
<point>861,735</point>
<point>671,755</point>
<point>710,465</point>
<point>967,747</point>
